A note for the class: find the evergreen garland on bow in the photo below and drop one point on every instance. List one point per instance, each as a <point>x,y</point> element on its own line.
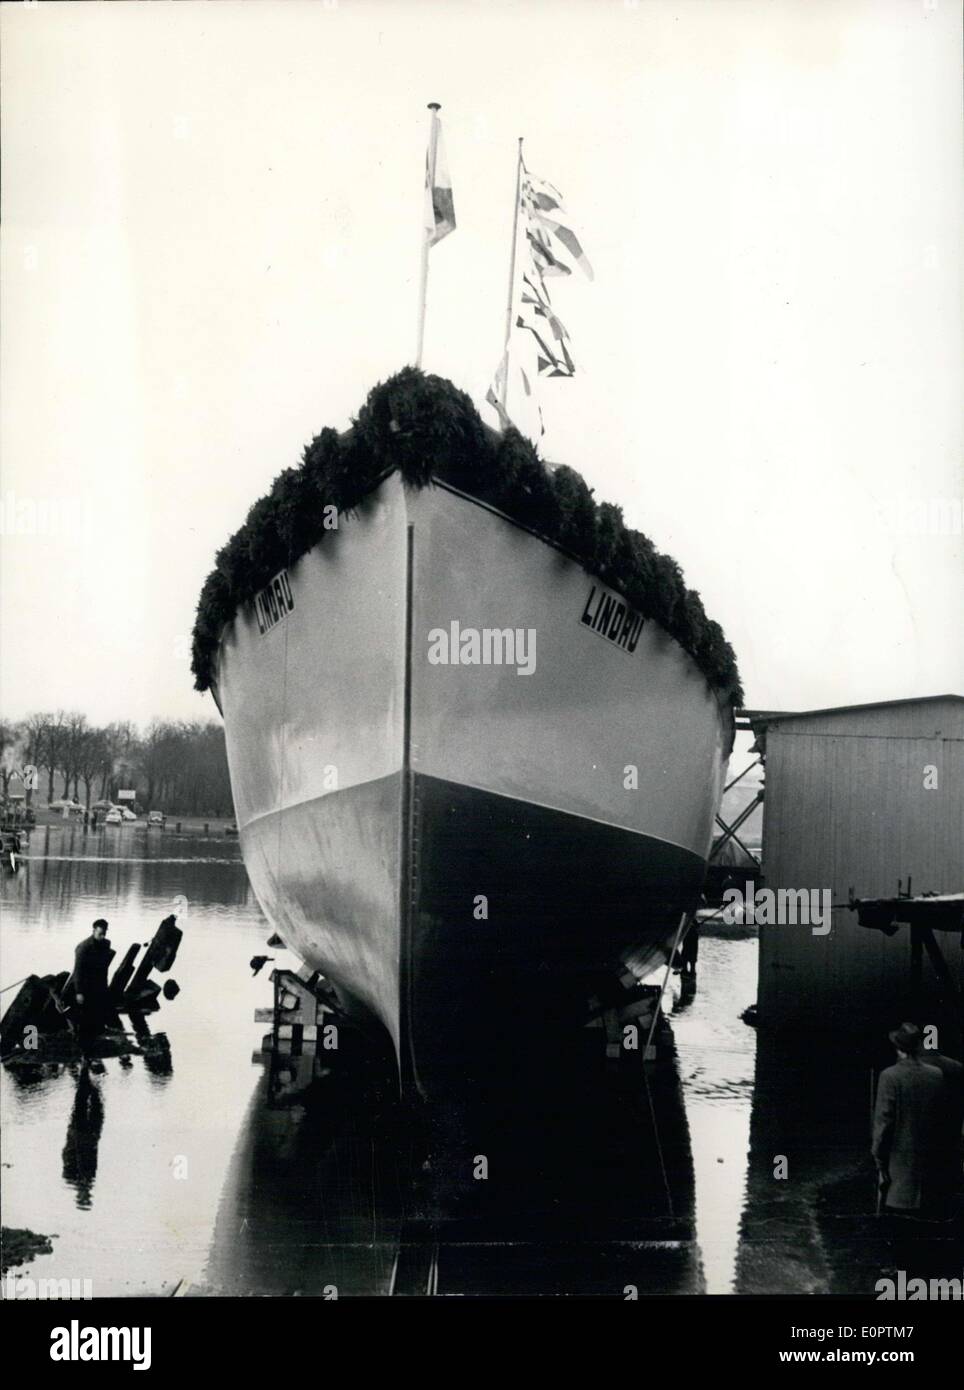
<point>424,427</point>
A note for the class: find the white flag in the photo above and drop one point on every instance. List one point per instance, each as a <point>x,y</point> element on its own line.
<point>439,206</point>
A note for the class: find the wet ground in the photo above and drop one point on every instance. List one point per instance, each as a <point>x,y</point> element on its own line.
<point>185,1164</point>
<point>574,1195</point>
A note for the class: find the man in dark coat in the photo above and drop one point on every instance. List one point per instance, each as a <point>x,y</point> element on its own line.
<point>91,959</point>
<point>907,1126</point>
<point>952,1127</point>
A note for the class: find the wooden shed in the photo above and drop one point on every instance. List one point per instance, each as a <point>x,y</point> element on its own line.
<point>857,798</point>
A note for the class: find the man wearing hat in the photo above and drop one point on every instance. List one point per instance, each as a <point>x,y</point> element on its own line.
<point>951,1143</point>
<point>907,1126</point>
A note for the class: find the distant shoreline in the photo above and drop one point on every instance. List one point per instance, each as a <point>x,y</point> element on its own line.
<point>217,825</point>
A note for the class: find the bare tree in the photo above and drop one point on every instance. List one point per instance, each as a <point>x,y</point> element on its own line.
<point>90,759</point>
<point>74,733</point>
<point>121,755</point>
<point>177,766</point>
<point>43,743</point>
<point>33,733</point>
<point>11,738</point>
<point>154,758</point>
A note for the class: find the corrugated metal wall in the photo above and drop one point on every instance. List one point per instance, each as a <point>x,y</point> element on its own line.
<point>846,807</point>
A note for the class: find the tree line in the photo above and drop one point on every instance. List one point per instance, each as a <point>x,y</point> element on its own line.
<point>176,766</point>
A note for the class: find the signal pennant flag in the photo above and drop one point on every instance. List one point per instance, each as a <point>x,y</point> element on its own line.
<point>555,247</point>
<point>537,316</point>
<point>497,392</point>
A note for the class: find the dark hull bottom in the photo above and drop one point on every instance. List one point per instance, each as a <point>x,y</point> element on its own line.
<point>517,915</point>
<point>478,941</point>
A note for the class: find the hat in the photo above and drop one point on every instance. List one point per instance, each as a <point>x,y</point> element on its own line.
<point>907,1037</point>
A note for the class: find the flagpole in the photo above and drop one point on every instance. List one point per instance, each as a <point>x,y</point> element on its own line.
<point>434,108</point>
<point>511,296</point>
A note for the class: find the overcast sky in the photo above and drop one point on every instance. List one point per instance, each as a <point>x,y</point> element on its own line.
<point>211,248</point>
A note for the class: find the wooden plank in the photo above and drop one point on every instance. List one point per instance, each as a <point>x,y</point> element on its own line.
<point>160,954</point>
<point>122,975</point>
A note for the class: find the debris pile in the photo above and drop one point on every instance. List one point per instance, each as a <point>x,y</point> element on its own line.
<point>43,1019</point>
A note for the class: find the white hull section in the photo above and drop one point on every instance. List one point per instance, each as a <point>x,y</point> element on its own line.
<point>362,767</point>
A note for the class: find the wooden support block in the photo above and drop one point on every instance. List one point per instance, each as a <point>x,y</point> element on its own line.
<point>122,975</point>
<point>23,1011</point>
<point>144,998</point>
<point>636,1009</point>
<point>295,997</point>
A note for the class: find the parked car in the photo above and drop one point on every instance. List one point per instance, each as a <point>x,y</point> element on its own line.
<point>157,818</point>
<point>127,813</point>
<point>64,803</point>
<point>114,817</point>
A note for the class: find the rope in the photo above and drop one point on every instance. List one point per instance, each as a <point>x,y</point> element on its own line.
<point>712,918</point>
<point>284,747</point>
<point>658,1011</point>
<point>657,1014</point>
<point>659,1147</point>
<point>14,985</point>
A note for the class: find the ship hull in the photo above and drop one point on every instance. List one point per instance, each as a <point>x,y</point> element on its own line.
<point>568,901</point>
<point>467,850</point>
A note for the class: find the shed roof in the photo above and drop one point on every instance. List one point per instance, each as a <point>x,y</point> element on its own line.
<point>762,720</point>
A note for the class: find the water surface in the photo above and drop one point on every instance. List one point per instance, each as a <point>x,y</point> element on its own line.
<point>125,1168</point>
<point>176,1169</point>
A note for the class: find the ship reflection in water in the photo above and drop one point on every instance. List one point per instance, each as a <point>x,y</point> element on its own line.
<point>585,1188</point>
<point>183,1165</point>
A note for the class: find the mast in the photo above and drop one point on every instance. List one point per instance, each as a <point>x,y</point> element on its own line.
<point>511,293</point>
<point>434,109</point>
